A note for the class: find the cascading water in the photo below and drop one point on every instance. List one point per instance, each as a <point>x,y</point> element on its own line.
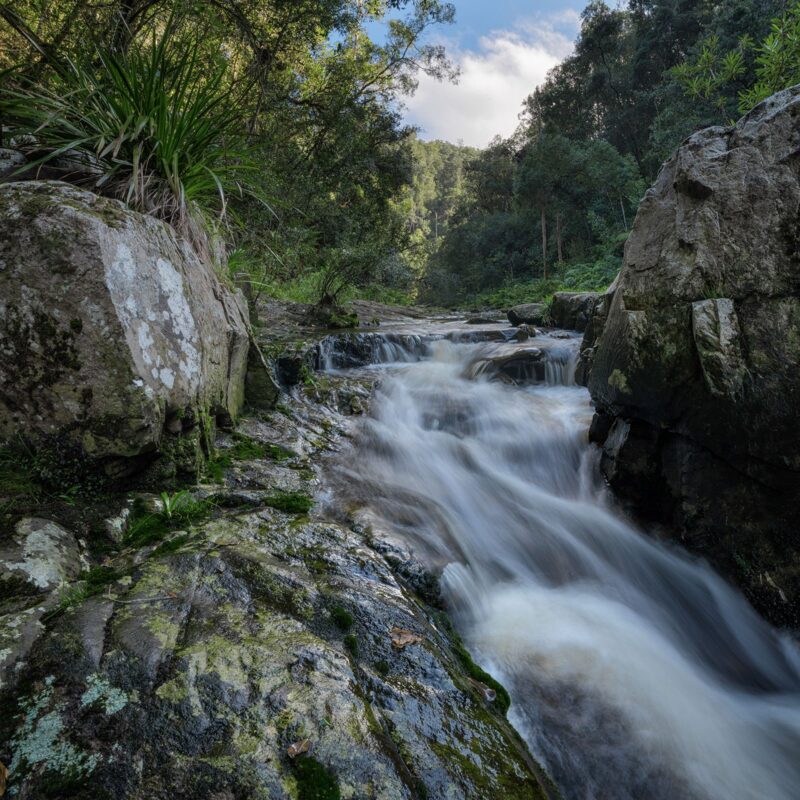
<point>635,671</point>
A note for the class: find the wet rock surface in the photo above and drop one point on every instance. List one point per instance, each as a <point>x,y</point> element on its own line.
<point>691,357</point>
<point>250,648</point>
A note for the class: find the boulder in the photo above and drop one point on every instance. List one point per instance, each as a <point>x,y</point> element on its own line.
<point>528,314</point>
<point>693,354</point>
<point>40,553</point>
<point>572,310</point>
<point>111,328</point>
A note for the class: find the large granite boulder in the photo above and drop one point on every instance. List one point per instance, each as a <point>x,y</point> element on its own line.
<point>572,310</point>
<point>112,330</point>
<point>692,357</point>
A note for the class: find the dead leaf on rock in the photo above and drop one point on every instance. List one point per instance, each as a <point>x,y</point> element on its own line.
<point>298,748</point>
<point>487,692</point>
<point>402,638</point>
<point>3,778</point>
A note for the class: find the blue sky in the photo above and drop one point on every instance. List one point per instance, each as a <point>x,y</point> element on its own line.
<point>504,49</point>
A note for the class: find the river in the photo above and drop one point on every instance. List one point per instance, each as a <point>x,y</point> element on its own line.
<point>635,671</point>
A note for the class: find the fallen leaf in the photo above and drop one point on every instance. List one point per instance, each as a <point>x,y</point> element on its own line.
<point>402,638</point>
<point>298,748</point>
<point>3,778</point>
<point>487,692</point>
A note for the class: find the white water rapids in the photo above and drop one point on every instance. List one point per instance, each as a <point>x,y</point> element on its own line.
<point>634,670</point>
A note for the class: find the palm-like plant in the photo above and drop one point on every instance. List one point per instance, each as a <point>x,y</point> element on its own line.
<point>159,128</point>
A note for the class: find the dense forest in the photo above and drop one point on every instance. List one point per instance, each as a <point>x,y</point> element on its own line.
<point>552,205</point>
<point>275,128</point>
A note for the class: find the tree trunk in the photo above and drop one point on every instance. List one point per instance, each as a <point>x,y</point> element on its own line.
<point>558,237</point>
<point>624,216</point>
<point>544,243</point>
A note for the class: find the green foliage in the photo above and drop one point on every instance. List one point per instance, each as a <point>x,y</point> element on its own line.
<point>712,71</point>
<point>194,111</point>
<point>156,125</point>
<point>54,469</point>
<point>777,59</point>
<point>768,67</point>
<point>290,502</point>
<point>351,643</point>
<point>314,781</point>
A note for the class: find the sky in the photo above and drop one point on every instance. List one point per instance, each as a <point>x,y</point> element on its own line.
<point>504,49</point>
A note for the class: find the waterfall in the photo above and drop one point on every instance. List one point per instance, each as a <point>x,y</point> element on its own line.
<point>635,671</point>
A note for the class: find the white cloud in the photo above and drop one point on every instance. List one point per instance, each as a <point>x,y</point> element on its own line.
<point>494,81</point>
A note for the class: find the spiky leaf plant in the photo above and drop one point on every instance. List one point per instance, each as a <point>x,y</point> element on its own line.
<point>155,126</point>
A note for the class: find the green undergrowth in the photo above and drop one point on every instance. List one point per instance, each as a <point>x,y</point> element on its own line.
<point>314,780</point>
<point>305,288</point>
<point>503,700</point>
<point>589,277</point>
<point>178,511</point>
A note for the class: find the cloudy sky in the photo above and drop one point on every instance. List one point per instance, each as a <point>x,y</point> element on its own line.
<point>504,49</point>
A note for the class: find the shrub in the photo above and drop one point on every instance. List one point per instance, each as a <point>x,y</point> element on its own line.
<point>149,129</point>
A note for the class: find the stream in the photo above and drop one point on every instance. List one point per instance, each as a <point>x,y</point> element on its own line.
<point>635,671</point>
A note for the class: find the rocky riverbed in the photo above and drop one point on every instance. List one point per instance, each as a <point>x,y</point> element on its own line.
<point>245,636</point>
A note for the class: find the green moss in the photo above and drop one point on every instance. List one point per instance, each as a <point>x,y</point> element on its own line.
<point>245,449</point>
<point>475,672</point>
<point>172,545</point>
<point>351,643</point>
<point>382,668</point>
<point>290,502</point>
<point>90,583</point>
<point>279,453</point>
<point>617,380</point>
<point>343,618</point>
<point>314,781</point>
<point>215,467</point>
<point>313,558</point>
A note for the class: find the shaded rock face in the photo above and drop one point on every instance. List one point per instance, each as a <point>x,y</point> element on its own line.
<point>199,666</point>
<point>692,356</point>
<point>573,310</point>
<point>110,327</point>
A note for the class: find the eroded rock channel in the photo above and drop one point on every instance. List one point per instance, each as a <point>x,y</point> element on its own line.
<point>415,537</point>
